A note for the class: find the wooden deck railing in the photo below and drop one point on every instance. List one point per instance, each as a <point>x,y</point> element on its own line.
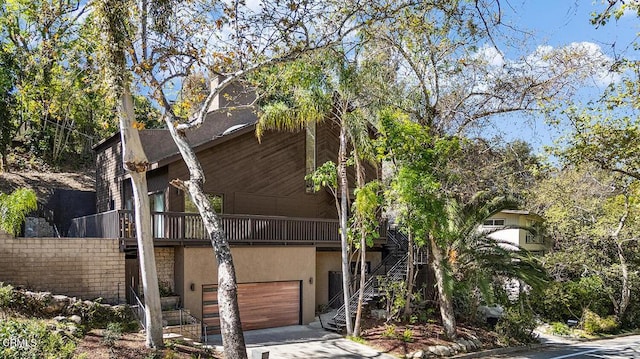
<point>189,226</point>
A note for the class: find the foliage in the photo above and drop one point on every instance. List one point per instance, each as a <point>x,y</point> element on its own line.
<point>563,300</point>
<point>389,331</point>
<point>324,176</point>
<point>394,296</point>
<point>59,96</point>
<point>407,335</point>
<point>366,213</point>
<point>592,218</point>
<point>165,288</point>
<point>15,207</point>
<point>559,328</point>
<point>516,327</point>
<point>6,295</point>
<point>112,333</point>
<point>33,339</point>
<point>593,323</point>
<point>420,161</point>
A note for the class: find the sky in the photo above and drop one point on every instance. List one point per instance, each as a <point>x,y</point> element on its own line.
<point>559,23</point>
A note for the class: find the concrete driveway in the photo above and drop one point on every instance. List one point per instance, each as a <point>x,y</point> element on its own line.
<point>302,342</point>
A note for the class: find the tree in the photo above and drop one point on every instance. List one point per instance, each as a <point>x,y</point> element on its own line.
<point>452,78</point>
<point>420,160</point>
<point>592,216</point>
<point>15,207</point>
<point>7,107</point>
<point>59,97</point>
<point>481,262</point>
<point>606,132</point>
<point>326,87</point>
<point>114,16</point>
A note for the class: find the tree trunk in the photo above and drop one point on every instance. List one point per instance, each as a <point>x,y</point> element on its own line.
<point>410,275</point>
<point>625,291</point>
<point>135,163</point>
<point>363,246</point>
<point>230,326</point>
<point>344,192</point>
<point>446,304</point>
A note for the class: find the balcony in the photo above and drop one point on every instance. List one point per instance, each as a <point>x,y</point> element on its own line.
<point>178,228</point>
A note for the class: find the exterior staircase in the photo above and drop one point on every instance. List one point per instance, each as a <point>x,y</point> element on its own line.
<point>176,322</point>
<point>393,267</point>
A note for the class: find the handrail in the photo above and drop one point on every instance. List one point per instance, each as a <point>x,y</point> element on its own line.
<point>377,270</point>
<point>368,287</point>
<point>380,268</point>
<point>189,226</point>
<point>140,311</point>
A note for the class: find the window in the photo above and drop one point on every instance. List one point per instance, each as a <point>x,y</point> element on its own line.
<point>310,153</point>
<point>494,222</point>
<point>156,202</point>
<point>215,200</point>
<point>531,238</point>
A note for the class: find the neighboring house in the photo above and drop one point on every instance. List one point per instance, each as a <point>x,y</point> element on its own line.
<point>517,237</point>
<point>284,237</point>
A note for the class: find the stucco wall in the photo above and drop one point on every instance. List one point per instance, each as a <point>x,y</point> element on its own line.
<point>331,262</point>
<point>79,267</point>
<point>516,236</point>
<point>198,266</point>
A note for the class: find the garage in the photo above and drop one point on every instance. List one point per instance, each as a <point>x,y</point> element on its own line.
<point>262,305</point>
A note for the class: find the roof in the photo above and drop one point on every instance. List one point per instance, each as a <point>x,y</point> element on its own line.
<point>159,146</point>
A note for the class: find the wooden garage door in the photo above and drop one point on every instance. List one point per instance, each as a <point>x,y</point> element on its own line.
<point>262,305</point>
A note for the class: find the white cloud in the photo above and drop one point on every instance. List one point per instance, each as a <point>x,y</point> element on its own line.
<point>490,55</point>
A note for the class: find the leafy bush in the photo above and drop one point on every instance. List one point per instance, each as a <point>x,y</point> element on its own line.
<point>15,207</point>
<point>407,335</point>
<point>559,328</point>
<point>389,331</point>
<point>33,339</point>
<point>6,295</point>
<point>592,323</point>
<point>394,296</point>
<point>112,333</point>
<point>567,300</point>
<point>516,328</point>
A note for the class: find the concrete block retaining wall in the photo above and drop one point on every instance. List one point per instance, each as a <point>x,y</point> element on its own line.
<point>87,268</point>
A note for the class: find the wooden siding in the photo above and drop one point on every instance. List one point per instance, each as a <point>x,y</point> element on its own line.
<point>258,178</point>
<point>253,178</point>
<point>109,172</point>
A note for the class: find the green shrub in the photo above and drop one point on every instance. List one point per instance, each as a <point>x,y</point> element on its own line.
<point>112,333</point>
<point>592,323</point>
<point>6,295</point>
<point>516,328</point>
<point>34,339</point>
<point>561,301</point>
<point>407,335</point>
<point>14,208</point>
<point>389,331</point>
<point>559,328</point>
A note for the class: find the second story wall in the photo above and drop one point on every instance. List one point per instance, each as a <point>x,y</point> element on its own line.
<point>264,178</point>
<point>109,174</point>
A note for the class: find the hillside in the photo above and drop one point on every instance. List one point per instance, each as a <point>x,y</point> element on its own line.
<point>43,182</point>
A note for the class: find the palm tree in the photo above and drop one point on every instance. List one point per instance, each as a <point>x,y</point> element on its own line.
<point>318,88</point>
<point>475,256</point>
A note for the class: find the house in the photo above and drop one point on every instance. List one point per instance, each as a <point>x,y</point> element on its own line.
<point>284,236</point>
<point>515,221</point>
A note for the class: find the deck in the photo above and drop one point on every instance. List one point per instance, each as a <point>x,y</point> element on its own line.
<point>179,228</point>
